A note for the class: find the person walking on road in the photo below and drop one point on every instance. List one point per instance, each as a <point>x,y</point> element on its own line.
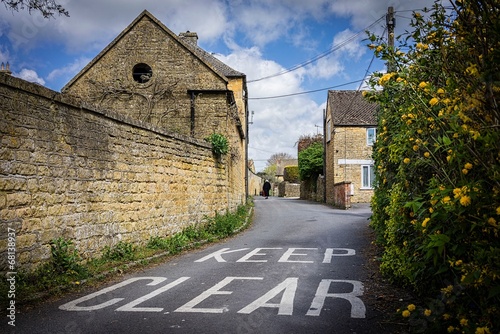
<point>266,188</point>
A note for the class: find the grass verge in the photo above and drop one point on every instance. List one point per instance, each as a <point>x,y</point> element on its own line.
<point>67,272</point>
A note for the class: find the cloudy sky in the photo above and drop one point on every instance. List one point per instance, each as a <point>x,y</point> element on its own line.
<point>292,51</point>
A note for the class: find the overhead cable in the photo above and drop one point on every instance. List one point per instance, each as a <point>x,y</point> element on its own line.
<point>322,55</point>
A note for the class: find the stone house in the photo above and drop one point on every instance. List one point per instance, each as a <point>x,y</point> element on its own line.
<point>350,131</point>
<point>150,74</point>
<point>120,154</point>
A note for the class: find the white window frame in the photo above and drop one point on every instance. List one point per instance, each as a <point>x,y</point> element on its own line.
<point>367,184</point>
<point>370,140</point>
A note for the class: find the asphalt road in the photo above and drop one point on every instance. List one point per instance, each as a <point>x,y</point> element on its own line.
<point>298,269</point>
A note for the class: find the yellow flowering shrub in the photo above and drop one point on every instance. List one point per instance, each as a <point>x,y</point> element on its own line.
<point>441,166</point>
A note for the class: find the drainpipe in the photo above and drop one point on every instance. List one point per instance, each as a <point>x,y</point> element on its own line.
<point>192,113</point>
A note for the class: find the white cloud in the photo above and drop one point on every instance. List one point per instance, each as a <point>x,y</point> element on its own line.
<point>278,122</point>
<point>70,70</point>
<point>29,75</point>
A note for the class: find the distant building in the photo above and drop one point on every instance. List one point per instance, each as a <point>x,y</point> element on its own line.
<point>350,131</point>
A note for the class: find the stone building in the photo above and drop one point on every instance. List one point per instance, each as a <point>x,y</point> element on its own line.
<point>120,154</point>
<point>350,131</point>
<point>150,74</point>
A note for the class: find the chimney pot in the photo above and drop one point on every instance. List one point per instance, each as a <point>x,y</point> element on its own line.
<point>5,68</point>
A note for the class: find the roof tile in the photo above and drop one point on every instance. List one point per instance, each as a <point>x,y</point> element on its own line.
<point>349,107</point>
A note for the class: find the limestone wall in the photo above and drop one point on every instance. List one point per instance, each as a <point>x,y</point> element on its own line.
<point>96,177</point>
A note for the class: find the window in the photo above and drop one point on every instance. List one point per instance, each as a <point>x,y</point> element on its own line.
<point>142,73</point>
<point>370,136</point>
<point>367,176</point>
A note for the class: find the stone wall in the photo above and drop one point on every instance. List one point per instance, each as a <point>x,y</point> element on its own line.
<point>97,177</point>
<point>255,184</point>
<point>287,189</point>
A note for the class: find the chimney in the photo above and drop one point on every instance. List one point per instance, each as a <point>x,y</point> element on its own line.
<point>190,37</point>
<point>5,68</point>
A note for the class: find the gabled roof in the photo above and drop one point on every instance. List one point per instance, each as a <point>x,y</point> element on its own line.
<point>216,63</point>
<point>350,108</point>
<point>211,62</point>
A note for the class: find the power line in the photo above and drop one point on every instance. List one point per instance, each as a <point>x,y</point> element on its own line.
<point>322,55</point>
<point>307,92</point>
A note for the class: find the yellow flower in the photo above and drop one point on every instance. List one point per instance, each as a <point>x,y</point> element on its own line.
<point>422,85</point>
<point>458,262</point>
<point>474,134</point>
<point>415,147</point>
<point>465,171</point>
<point>464,322</point>
<point>405,243</point>
<point>446,316</point>
<point>379,48</point>
<point>422,46</point>
<point>465,200</point>
<point>431,210</point>
<point>447,291</point>
<point>446,199</point>
<point>482,330</point>
<point>471,70</point>
<point>427,312</point>
<point>427,154</point>
<point>440,91</point>
<point>468,165</point>
<point>498,211</point>
<point>406,160</point>
<point>451,329</point>
<point>385,78</point>
<point>426,220</point>
<point>411,307</point>
<point>434,101</point>
<point>492,221</point>
<point>405,314</point>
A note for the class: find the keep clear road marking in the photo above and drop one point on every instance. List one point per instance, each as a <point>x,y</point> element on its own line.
<point>285,258</point>
<point>288,288</point>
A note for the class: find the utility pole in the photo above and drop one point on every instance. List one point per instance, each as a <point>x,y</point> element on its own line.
<point>391,23</point>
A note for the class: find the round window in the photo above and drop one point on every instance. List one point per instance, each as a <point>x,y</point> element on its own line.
<point>142,73</point>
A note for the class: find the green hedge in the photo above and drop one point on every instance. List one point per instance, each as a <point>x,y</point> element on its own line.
<point>436,207</point>
<point>291,174</point>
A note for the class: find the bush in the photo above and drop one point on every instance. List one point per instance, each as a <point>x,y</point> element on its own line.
<point>311,161</point>
<point>291,174</point>
<point>436,204</point>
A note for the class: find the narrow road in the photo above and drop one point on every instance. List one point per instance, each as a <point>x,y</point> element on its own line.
<point>298,269</point>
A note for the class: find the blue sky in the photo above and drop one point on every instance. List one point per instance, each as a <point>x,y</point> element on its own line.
<point>257,37</point>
